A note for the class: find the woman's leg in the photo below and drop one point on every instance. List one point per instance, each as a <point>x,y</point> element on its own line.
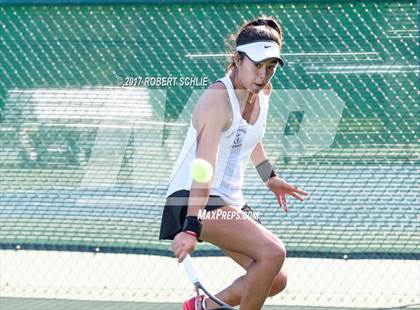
<point>244,236</point>
<point>232,294</point>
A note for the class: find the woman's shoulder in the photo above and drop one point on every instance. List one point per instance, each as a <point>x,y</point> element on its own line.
<point>215,95</point>
<point>213,103</point>
<point>218,85</point>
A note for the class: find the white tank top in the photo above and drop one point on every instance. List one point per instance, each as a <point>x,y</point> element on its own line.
<point>235,148</point>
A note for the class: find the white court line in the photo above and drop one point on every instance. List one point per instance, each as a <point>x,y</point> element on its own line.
<point>119,126</point>
<point>362,72</point>
<point>352,69</point>
<point>403,30</point>
<point>405,37</point>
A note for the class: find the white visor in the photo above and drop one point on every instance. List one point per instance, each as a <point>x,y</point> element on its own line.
<point>261,50</point>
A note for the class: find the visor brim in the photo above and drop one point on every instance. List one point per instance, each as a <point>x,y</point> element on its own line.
<point>261,50</point>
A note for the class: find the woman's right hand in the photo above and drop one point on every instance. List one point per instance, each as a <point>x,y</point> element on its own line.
<point>183,244</point>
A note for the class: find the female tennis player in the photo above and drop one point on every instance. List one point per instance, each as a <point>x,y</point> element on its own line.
<point>228,123</point>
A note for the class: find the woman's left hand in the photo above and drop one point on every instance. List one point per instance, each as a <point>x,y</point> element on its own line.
<point>281,188</point>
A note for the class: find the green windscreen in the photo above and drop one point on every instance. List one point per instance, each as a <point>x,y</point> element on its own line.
<point>96,100</point>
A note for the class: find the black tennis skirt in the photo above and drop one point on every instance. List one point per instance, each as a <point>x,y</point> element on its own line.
<point>175,211</point>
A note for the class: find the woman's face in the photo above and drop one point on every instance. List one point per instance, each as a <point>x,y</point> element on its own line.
<point>254,76</point>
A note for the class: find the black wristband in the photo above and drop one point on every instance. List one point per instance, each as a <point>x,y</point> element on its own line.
<point>273,174</point>
<point>192,223</point>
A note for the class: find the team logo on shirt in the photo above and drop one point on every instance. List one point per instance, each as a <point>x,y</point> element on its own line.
<point>239,138</point>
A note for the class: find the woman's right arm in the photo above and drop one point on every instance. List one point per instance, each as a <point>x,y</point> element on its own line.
<point>209,118</point>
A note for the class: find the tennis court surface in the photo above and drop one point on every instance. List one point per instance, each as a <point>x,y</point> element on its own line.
<point>42,304</point>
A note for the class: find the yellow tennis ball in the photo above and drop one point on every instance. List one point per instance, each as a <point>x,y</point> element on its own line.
<point>201,170</point>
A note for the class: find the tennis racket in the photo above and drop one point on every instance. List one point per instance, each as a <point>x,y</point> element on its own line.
<point>192,275</point>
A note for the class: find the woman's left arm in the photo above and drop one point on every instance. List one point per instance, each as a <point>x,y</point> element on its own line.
<point>280,187</point>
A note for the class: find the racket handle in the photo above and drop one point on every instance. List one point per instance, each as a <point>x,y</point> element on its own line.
<point>189,268</point>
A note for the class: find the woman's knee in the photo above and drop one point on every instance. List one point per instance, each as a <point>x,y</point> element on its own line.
<point>273,252</point>
<point>279,283</point>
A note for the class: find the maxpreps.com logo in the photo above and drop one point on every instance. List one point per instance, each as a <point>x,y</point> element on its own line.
<point>239,138</point>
